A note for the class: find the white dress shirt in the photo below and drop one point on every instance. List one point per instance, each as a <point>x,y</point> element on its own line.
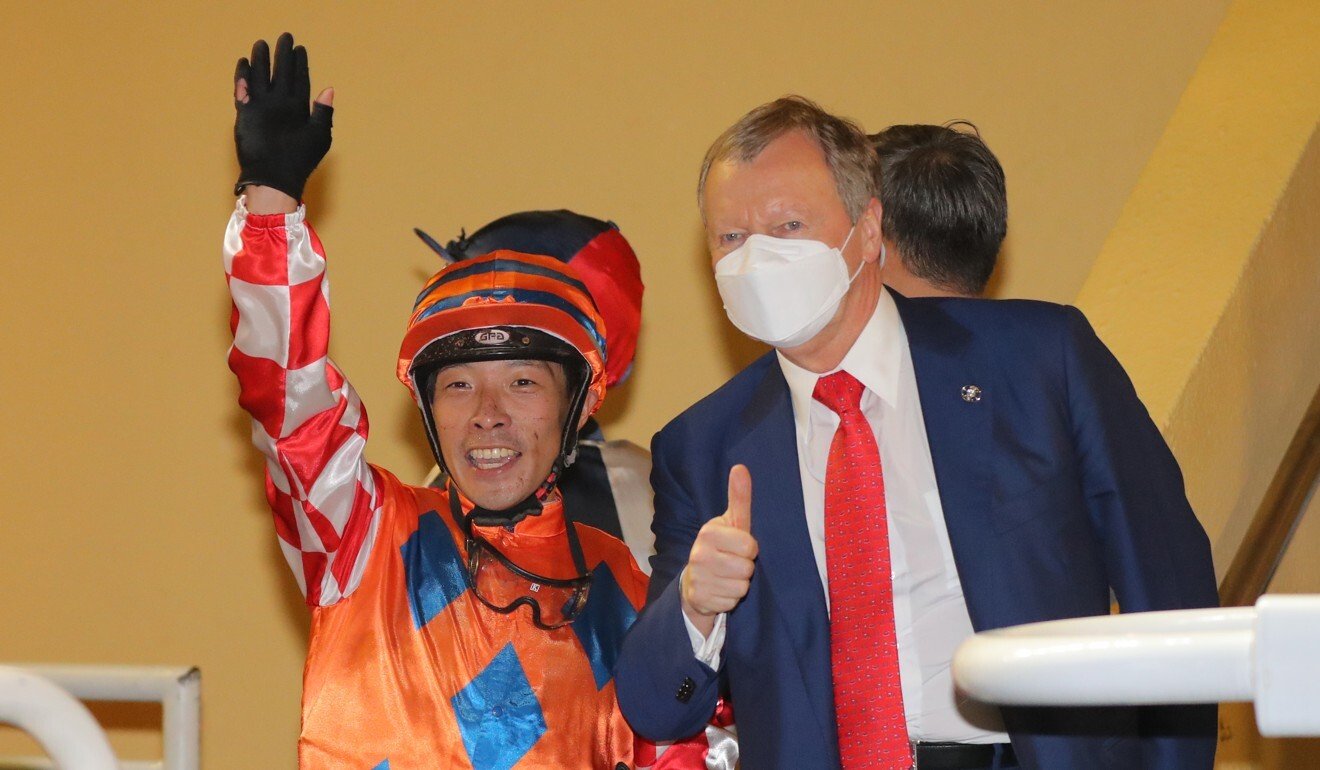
<point>929,610</point>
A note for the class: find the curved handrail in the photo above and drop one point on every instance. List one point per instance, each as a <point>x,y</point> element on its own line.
<point>58,721</point>
<point>1138,658</point>
<point>1264,654</point>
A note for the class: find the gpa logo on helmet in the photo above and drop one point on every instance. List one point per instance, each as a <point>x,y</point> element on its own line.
<point>491,337</point>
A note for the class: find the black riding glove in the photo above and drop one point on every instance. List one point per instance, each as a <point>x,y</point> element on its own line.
<point>279,142</point>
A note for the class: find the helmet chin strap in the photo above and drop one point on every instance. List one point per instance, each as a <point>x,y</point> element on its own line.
<point>532,504</point>
<point>484,517</point>
<point>529,506</point>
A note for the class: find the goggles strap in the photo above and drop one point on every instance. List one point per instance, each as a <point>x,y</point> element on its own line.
<point>465,523</point>
<point>575,547</point>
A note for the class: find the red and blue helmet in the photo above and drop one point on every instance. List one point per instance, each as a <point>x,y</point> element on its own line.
<point>596,251</point>
<point>506,305</point>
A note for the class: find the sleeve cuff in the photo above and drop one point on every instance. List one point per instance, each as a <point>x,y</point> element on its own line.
<point>707,648</point>
<point>261,221</point>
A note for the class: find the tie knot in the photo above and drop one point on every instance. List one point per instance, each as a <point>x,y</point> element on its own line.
<point>841,392</point>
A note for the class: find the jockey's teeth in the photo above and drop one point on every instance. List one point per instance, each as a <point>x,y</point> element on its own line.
<point>494,455</point>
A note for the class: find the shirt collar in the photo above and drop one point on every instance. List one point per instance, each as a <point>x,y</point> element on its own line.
<point>873,359</point>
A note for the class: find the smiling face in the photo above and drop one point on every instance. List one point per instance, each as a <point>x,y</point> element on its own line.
<point>500,426</point>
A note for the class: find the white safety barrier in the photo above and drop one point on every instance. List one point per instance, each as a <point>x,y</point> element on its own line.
<point>178,690</point>
<point>1268,654</point>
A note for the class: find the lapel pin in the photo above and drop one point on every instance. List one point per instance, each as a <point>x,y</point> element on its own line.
<point>971,394</point>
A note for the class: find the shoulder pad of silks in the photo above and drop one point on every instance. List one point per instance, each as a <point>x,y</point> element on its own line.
<point>507,288</point>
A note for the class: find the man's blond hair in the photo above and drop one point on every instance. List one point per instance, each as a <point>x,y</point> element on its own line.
<point>848,152</point>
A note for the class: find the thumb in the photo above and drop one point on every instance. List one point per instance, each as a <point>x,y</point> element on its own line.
<point>326,97</point>
<point>739,512</point>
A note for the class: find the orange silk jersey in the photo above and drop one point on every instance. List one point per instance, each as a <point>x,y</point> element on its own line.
<point>411,670</point>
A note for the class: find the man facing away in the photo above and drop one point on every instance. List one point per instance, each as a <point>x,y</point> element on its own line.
<point>944,209</point>
<point>897,474</point>
<point>470,626</point>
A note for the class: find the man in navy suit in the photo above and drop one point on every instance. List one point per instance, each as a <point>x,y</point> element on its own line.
<point>1013,476</point>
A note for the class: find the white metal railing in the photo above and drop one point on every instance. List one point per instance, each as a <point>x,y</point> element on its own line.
<point>177,689</point>
<point>1266,654</point>
<point>55,719</point>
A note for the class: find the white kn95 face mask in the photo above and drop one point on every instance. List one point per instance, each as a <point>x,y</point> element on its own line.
<point>783,291</point>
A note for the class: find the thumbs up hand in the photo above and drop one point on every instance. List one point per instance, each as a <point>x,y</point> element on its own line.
<point>719,568</point>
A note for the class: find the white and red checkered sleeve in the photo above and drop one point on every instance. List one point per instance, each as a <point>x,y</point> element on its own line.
<point>306,417</point>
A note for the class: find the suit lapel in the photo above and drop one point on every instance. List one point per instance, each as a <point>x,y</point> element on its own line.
<point>768,448</point>
<point>959,434</point>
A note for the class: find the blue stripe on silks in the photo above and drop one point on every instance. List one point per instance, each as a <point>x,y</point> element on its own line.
<point>521,295</point>
<point>498,714</point>
<point>433,569</point>
<point>384,765</point>
<point>603,622</point>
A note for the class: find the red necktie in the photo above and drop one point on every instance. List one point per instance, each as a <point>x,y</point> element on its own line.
<point>868,695</point>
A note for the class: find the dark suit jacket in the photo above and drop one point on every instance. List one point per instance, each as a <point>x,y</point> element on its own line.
<point>1056,488</point>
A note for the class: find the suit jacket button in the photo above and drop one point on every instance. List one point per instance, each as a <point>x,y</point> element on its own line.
<point>685,690</point>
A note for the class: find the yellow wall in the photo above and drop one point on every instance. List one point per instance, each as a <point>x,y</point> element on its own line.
<point>134,528</point>
<point>1207,289</point>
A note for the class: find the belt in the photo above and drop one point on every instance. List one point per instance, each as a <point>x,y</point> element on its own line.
<point>960,756</point>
